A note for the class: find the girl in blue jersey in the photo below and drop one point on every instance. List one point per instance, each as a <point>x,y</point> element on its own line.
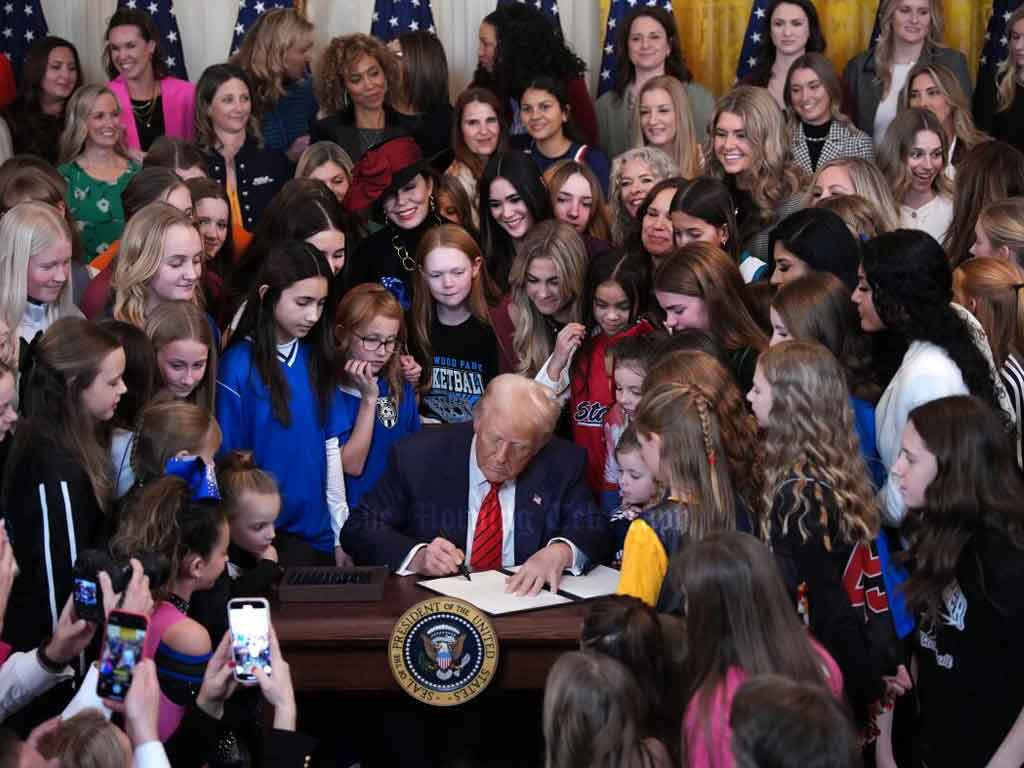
<point>276,393</point>
<point>378,402</point>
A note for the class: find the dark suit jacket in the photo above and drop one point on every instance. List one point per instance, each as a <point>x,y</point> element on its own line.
<point>426,489</point>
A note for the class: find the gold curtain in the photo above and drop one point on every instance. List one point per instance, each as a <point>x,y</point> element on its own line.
<point>712,32</point>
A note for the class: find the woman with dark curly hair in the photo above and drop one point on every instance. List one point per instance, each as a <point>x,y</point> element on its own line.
<point>647,46</point>
<point>517,44</point>
<point>958,476</point>
<point>905,285</point>
<point>355,80</point>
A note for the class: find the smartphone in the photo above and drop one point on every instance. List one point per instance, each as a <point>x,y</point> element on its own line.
<point>122,650</point>
<point>88,599</point>
<point>249,619</point>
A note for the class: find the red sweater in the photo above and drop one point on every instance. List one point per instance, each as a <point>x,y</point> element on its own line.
<point>592,394</point>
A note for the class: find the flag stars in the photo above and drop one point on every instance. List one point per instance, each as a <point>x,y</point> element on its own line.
<point>393,21</point>
<point>8,8</point>
<point>171,61</point>
<point>8,32</point>
<point>28,10</point>
<point>153,8</point>
<point>759,12</point>
<point>414,26</point>
<point>172,36</point>
<point>756,37</point>
<point>260,7</point>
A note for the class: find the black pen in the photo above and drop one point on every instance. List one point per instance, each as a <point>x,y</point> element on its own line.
<point>463,568</point>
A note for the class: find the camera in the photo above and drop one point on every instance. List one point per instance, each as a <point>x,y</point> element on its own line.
<point>89,596</point>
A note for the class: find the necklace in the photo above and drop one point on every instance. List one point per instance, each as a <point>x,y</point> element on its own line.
<point>144,112</point>
<point>180,603</point>
<point>408,262</point>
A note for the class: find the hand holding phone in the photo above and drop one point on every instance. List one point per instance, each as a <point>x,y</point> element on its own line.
<point>249,619</point>
<point>123,645</point>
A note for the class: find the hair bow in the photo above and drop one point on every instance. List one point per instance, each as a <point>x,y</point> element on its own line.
<point>197,474</point>
<point>397,288</point>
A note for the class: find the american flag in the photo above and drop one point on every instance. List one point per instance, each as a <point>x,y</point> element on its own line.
<point>996,38</point>
<point>548,7</point>
<point>617,13</point>
<point>248,12</point>
<point>392,18</point>
<point>757,33</point>
<point>162,12</point>
<point>21,23</point>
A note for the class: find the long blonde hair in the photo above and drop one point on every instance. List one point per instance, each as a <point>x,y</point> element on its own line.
<point>172,321</point>
<point>1003,222</point>
<point>692,456</point>
<point>894,152</point>
<point>997,289</point>
<point>263,50</point>
<point>424,311</point>
<point>811,435</point>
<point>142,249</point>
<point>773,176</point>
<point>662,167</point>
<point>964,129</point>
<point>1007,75</point>
<point>685,148</point>
<point>557,241</point>
<point>76,126</point>
<point>27,230</point>
<point>885,48</point>
<point>868,182</point>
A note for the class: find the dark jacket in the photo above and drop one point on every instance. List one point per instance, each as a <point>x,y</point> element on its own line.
<point>426,487</point>
<point>259,172</point>
<point>1007,125</point>
<point>341,129</point>
<point>863,92</point>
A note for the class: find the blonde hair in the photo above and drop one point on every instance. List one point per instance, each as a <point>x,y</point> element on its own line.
<point>559,173</point>
<point>557,241</point>
<point>685,148</point>
<point>27,230</point>
<point>964,129</point>
<point>811,435</point>
<point>237,475</point>
<point>263,50</point>
<point>1003,222</point>
<point>532,404</point>
<point>341,54</point>
<point>885,47</point>
<point>1007,75</point>
<point>773,176</point>
<point>423,305</point>
<point>662,167</point>
<point>76,126</point>
<point>172,321</point>
<point>87,740</point>
<point>859,214</point>
<point>142,250</point>
<point>320,153</point>
<point>868,182</point>
<point>997,288</point>
<point>359,306</point>
<point>894,152</point>
<point>692,455</point>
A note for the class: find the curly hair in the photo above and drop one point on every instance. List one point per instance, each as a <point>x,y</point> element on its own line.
<point>263,50</point>
<point>773,177</point>
<point>659,165</point>
<point>811,435</point>
<point>977,487</point>
<point>912,286</point>
<point>337,60</point>
<point>675,63</point>
<point>894,152</point>
<point>991,171</point>
<point>742,448</point>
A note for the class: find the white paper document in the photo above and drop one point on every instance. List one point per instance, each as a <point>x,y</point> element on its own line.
<point>598,582</point>
<point>486,590</point>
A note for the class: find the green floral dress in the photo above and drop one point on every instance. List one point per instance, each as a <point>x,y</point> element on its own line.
<point>96,206</point>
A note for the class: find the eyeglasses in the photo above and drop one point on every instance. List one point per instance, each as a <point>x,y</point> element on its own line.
<point>373,343</point>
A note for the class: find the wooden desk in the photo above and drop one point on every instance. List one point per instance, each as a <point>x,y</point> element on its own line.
<point>343,646</point>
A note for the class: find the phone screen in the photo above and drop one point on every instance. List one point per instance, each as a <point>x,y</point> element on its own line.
<point>250,639</point>
<point>87,601</point>
<point>122,650</point>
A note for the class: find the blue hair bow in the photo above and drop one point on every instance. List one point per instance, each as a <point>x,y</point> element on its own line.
<point>198,475</point>
<point>397,288</point>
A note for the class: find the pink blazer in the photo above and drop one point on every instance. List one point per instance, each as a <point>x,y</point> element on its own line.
<point>178,98</point>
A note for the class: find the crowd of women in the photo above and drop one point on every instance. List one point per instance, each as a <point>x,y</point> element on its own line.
<point>786,326</point>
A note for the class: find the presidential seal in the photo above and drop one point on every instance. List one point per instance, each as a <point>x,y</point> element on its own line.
<point>443,651</point>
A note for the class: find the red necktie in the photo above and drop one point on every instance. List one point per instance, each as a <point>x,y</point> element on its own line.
<point>487,537</point>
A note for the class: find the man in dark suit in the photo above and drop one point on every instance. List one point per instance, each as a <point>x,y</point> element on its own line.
<point>498,492</point>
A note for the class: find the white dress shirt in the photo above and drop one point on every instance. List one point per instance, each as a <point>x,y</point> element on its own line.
<point>479,487</point>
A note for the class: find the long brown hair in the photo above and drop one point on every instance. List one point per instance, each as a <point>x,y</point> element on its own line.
<point>424,311</point>
<point>811,435</point>
<point>964,129</point>
<point>559,173</point>
<point>172,321</point>
<point>739,615</point>
<point>165,429</point>
<point>706,272</point>
<point>894,152</point>
<point>69,356</point>
<point>462,152</point>
<point>977,487</point>
<point>996,288</point>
